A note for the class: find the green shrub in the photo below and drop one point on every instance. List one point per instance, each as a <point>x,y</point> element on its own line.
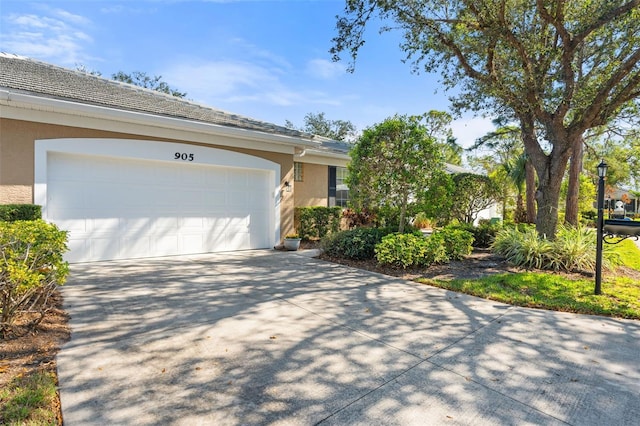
<point>483,235</point>
<point>574,249</point>
<point>436,250</point>
<point>317,222</point>
<point>30,268</point>
<point>457,242</point>
<point>13,212</point>
<point>409,250</point>
<point>522,248</point>
<point>356,243</point>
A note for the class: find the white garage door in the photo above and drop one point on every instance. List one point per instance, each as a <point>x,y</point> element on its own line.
<point>118,208</point>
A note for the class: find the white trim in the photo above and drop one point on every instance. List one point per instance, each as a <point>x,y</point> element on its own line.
<point>314,156</point>
<point>151,150</point>
<point>22,106</point>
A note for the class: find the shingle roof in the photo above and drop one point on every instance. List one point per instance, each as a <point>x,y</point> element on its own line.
<point>330,145</point>
<point>34,77</point>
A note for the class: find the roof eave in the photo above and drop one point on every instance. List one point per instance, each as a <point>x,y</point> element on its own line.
<point>11,98</point>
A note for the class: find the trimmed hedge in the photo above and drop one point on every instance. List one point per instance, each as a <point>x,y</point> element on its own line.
<point>410,250</point>
<point>317,222</point>
<point>13,212</point>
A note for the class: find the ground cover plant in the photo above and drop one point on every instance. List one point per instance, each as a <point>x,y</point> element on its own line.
<point>27,399</point>
<point>620,298</point>
<point>574,249</point>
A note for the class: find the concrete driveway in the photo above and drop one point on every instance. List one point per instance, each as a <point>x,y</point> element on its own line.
<point>276,338</point>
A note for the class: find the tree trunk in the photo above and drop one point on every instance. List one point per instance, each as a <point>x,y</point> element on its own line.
<point>550,174</point>
<point>532,150</point>
<point>403,212</point>
<point>530,185</point>
<point>573,191</point>
<point>519,215</point>
<point>549,169</point>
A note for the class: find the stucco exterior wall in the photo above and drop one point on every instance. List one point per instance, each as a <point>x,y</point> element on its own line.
<point>17,141</point>
<point>313,190</point>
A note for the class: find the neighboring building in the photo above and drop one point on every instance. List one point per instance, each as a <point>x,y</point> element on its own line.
<point>132,172</point>
<point>487,214</point>
<point>623,198</point>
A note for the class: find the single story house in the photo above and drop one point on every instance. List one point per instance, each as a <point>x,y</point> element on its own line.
<point>131,172</point>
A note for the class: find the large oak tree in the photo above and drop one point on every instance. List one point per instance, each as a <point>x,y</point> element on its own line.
<point>565,66</point>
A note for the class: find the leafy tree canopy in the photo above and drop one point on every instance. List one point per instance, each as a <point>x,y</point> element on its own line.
<point>563,66</point>
<point>472,194</point>
<point>392,163</point>
<point>318,124</point>
<point>142,79</point>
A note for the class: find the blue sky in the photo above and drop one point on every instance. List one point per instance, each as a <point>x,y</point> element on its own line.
<point>267,59</point>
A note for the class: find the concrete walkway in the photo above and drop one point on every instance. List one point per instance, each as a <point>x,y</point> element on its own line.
<point>276,338</point>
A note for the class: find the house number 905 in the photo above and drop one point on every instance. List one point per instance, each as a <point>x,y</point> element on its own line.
<point>183,156</point>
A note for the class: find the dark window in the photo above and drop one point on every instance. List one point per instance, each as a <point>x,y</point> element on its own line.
<point>332,186</point>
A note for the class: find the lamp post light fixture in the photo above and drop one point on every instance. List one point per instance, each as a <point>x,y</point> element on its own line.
<point>602,174</point>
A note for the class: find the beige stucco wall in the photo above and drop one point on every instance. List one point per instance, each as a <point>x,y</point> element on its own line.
<point>313,190</point>
<point>17,144</point>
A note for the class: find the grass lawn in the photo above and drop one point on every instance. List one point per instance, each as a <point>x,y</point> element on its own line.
<point>620,295</point>
<point>28,399</point>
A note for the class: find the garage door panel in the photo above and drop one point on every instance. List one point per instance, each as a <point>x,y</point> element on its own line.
<point>194,175</point>
<point>104,224</point>
<point>192,222</point>
<point>187,198</point>
<point>215,226</point>
<point>73,225</point>
<point>138,224</point>
<point>165,224</point>
<point>78,248</point>
<point>238,241</point>
<point>215,240</point>
<point>165,174</point>
<point>100,172</point>
<point>214,200</point>
<point>165,245</point>
<point>118,208</point>
<point>238,199</point>
<point>193,243</point>
<point>104,195</point>
<point>143,173</point>
<point>71,194</point>
<point>105,246</point>
<point>138,244</point>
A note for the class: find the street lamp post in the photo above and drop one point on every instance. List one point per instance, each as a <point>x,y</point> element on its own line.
<point>602,173</point>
